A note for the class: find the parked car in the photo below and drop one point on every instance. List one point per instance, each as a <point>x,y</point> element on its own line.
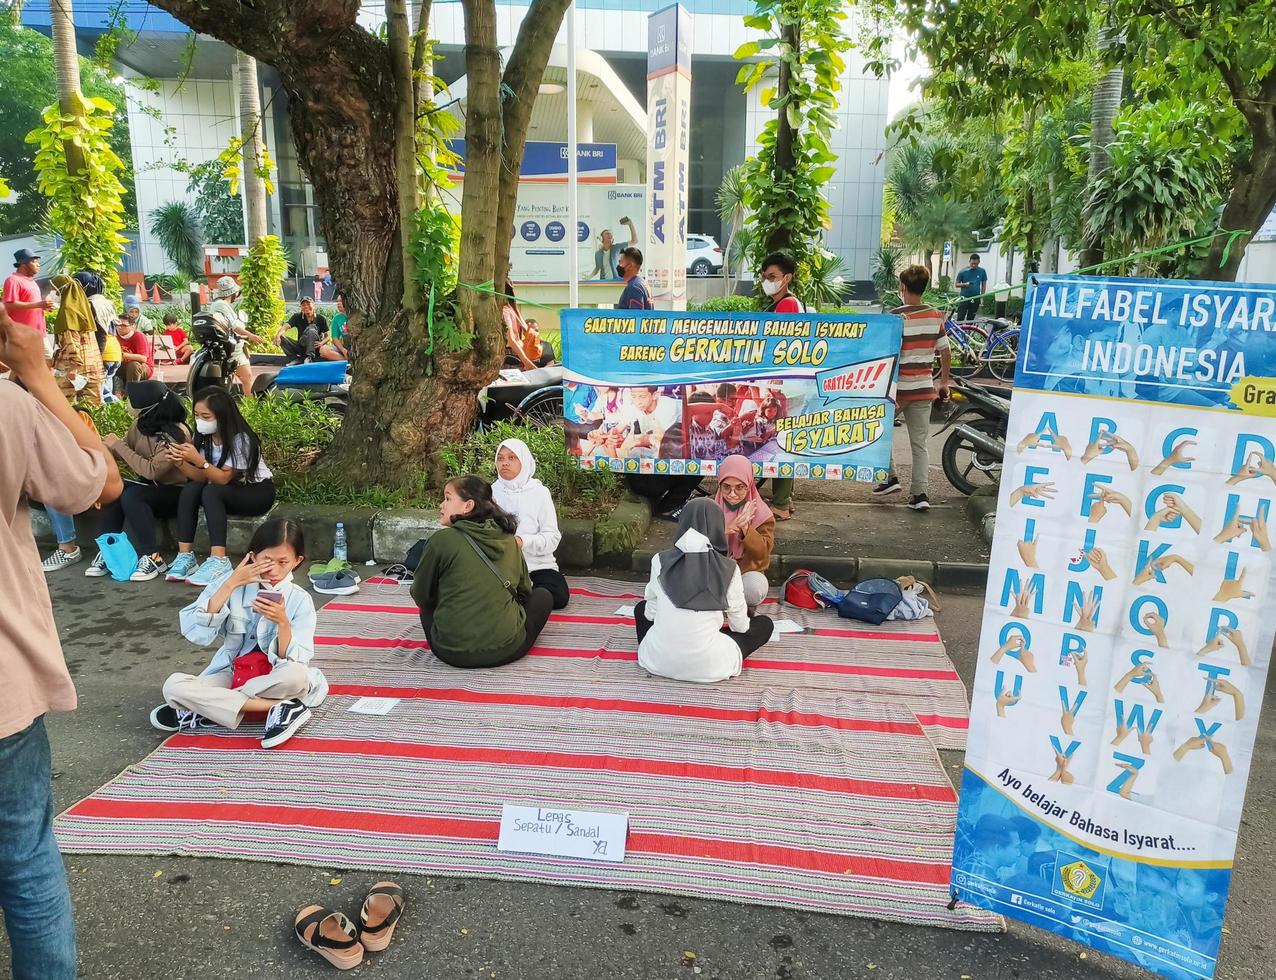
<point>704,257</point>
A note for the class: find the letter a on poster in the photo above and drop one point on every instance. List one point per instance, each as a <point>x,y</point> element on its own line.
<point>1124,650</point>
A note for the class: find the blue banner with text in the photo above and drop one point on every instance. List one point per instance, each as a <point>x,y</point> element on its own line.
<point>805,396</point>
<point>1124,651</point>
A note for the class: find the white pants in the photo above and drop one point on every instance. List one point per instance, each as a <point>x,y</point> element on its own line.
<point>210,695</point>
<point>755,588</point>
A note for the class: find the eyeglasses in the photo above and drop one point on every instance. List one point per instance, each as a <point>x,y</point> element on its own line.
<point>734,489</point>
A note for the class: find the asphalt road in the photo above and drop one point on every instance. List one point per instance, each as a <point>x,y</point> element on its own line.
<point>159,918</point>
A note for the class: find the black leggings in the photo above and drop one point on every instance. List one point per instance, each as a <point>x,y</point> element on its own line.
<point>536,608</point>
<point>666,493</point>
<point>756,637</point>
<point>219,500</point>
<point>552,581</point>
<point>141,506</point>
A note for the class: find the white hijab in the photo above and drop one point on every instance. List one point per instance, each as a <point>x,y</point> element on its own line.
<point>508,492</point>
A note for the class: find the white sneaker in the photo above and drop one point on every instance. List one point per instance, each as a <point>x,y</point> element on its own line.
<point>148,567</point>
<point>61,559</point>
<point>98,568</point>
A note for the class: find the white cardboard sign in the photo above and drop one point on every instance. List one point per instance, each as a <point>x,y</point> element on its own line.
<point>568,833</point>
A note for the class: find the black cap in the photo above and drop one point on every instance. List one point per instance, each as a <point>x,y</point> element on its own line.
<point>23,256</point>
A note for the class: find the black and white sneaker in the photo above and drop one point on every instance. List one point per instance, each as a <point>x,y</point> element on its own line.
<point>918,501</point>
<point>148,567</point>
<point>886,489</point>
<point>282,723</point>
<point>165,719</point>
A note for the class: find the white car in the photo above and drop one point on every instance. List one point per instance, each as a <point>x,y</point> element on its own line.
<point>704,257</point>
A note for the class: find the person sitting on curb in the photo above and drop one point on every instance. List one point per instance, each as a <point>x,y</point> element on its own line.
<point>226,475</point>
<point>182,349</point>
<point>159,422</point>
<point>311,327</point>
<point>518,492</point>
<point>693,585</point>
<point>750,526</point>
<point>266,624</point>
<point>478,605</point>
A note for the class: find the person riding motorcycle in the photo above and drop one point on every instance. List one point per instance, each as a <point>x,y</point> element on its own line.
<point>225,292</point>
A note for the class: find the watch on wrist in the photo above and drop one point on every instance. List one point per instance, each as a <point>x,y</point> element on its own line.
<point>207,465</point>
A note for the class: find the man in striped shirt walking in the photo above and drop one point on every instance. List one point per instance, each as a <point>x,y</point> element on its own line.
<point>924,340</point>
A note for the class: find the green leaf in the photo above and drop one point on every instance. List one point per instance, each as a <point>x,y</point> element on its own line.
<point>750,49</point>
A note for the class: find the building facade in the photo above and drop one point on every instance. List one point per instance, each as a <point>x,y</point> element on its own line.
<point>192,118</point>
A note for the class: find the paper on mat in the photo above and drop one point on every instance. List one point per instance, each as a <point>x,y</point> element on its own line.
<point>373,706</point>
<point>568,833</point>
<point>788,626</point>
<point>624,611</point>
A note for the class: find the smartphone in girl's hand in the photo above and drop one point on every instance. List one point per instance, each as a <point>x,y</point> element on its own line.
<point>271,595</point>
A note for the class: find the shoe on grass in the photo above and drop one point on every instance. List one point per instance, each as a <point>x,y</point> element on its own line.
<point>886,489</point>
<point>148,567</point>
<point>184,566</point>
<point>284,720</point>
<point>98,567</point>
<point>61,559</point>
<point>210,572</point>
<point>336,583</point>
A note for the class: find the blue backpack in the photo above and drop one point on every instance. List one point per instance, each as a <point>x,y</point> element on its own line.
<point>871,601</point>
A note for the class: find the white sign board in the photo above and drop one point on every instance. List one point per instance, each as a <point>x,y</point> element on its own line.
<point>668,156</point>
<point>567,833</point>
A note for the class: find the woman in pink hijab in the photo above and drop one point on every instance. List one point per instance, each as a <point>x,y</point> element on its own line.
<point>750,526</point>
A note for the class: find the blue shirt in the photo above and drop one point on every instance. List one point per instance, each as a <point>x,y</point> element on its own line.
<point>636,296</point>
<point>972,281</point>
<point>578,401</point>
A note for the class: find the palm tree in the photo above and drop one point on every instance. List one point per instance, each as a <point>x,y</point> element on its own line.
<point>177,228</point>
<point>1104,107</point>
<point>730,203</point>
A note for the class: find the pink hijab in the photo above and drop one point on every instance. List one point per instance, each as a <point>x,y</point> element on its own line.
<point>738,467</point>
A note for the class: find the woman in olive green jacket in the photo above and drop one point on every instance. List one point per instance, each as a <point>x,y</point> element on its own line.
<point>478,606</point>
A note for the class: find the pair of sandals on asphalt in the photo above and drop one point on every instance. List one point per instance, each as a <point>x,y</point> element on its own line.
<point>338,940</point>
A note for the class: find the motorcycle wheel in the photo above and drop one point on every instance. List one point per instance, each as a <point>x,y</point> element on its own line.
<point>968,467</point>
<point>542,408</point>
<point>200,375</point>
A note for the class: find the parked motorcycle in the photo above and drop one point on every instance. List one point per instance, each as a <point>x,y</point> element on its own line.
<point>534,397</point>
<point>973,452</point>
<point>214,363</point>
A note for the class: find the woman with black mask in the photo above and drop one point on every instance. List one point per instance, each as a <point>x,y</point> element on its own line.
<point>159,421</point>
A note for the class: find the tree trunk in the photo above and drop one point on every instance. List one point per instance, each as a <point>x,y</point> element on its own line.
<point>777,238</point>
<point>399,33</point>
<point>523,76</point>
<point>411,394</point>
<point>250,123</point>
<point>1253,193</point>
<point>423,89</point>
<point>66,67</point>
<point>1104,106</point>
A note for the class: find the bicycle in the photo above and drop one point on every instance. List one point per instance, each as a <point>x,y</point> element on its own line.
<point>973,347</point>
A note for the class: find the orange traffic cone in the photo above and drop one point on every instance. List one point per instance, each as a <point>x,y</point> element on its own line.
<point>203,293</point>
<point>155,295</point>
<point>140,293</point>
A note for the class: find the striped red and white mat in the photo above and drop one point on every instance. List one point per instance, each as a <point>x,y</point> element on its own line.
<point>767,789</point>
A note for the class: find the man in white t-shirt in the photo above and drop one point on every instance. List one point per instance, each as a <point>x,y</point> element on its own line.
<point>653,414</point>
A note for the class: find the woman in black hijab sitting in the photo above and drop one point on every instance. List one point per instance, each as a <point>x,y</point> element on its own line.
<point>693,587</point>
<point>159,420</point>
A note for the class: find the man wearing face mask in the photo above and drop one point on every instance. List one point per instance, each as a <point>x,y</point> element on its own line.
<point>636,295</point>
<point>778,270</point>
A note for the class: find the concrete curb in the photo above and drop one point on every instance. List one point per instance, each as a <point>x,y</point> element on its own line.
<point>617,535</point>
<point>383,536</point>
<point>843,571</point>
<point>981,508</point>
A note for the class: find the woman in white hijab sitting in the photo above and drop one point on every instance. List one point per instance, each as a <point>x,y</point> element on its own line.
<point>693,587</point>
<point>518,492</point>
